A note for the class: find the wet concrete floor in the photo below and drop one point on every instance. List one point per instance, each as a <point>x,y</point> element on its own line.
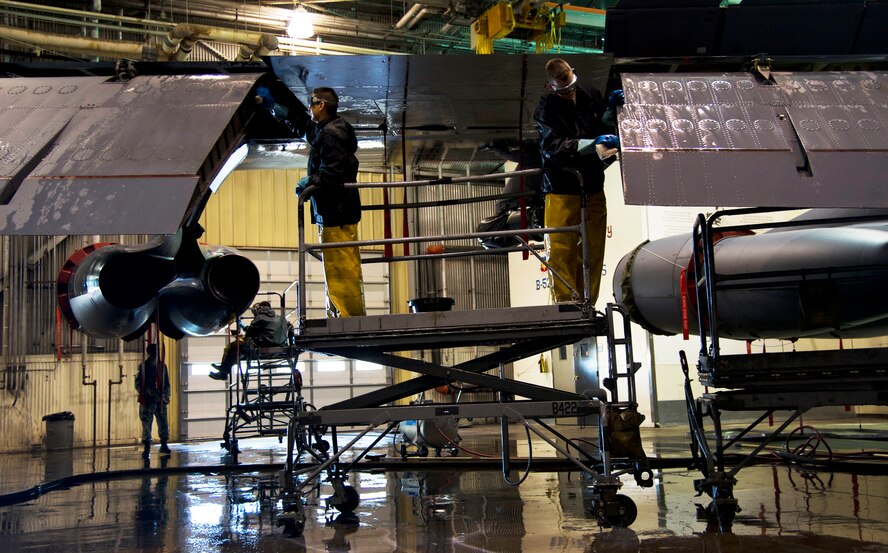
<point>418,509</point>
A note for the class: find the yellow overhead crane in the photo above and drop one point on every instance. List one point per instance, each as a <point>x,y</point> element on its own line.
<point>526,21</point>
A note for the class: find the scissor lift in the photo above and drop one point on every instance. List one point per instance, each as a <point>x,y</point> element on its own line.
<point>768,382</point>
<point>518,333</point>
<point>522,332</point>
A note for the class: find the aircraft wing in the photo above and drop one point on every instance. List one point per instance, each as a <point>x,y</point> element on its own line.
<point>813,139</point>
<point>89,155</point>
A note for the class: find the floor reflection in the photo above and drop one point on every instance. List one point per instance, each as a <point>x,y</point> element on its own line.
<point>152,513</point>
<point>784,509</point>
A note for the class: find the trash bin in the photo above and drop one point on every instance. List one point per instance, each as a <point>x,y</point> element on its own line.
<point>59,431</point>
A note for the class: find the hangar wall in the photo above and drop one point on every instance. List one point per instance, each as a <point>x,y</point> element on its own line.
<point>49,386</point>
<point>41,373</point>
<point>257,208</point>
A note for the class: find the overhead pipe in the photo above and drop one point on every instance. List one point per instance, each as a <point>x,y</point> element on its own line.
<point>274,19</point>
<point>408,16</point>
<point>325,25</point>
<point>178,42</point>
<point>267,44</point>
<point>445,28</point>
<point>333,26</point>
<point>175,45</point>
<point>419,17</point>
<point>171,44</point>
<point>327,48</point>
<point>85,14</point>
<point>47,41</point>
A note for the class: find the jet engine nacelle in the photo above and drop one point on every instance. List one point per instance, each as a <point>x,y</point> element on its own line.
<point>200,304</point>
<point>116,291</point>
<point>814,282</point>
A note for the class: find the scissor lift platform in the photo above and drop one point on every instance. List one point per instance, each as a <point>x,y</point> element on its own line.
<point>564,322</point>
<point>514,333</point>
<point>521,332</point>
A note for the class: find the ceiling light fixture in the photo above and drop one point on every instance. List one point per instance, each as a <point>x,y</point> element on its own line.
<point>300,24</point>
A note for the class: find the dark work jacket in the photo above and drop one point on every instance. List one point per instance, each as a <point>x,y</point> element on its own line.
<point>332,163</point>
<point>267,329</point>
<point>561,124</point>
<point>153,385</point>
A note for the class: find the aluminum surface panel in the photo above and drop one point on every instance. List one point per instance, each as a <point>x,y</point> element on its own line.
<point>805,140</point>
<point>86,155</point>
<point>832,128</point>
<point>458,98</point>
<point>740,131</point>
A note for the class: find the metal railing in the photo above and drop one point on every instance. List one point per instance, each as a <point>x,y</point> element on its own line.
<point>519,234</point>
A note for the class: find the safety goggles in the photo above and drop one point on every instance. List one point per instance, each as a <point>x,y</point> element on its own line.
<point>566,89</point>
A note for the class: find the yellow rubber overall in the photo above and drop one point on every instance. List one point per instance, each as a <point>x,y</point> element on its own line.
<point>342,273</point>
<point>565,249</point>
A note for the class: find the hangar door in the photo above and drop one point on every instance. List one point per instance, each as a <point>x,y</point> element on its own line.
<point>326,379</point>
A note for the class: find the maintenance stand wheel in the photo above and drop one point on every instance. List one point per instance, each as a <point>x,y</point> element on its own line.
<point>718,514</point>
<point>347,501</point>
<point>614,511</point>
<point>292,518</point>
<point>293,528</point>
<point>626,512</point>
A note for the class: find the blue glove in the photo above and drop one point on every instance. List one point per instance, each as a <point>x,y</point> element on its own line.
<point>302,184</point>
<point>616,98</point>
<point>608,141</point>
<point>266,101</point>
<point>265,97</point>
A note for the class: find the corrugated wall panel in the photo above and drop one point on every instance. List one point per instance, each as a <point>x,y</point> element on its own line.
<point>52,387</point>
<point>257,209</point>
<point>473,282</point>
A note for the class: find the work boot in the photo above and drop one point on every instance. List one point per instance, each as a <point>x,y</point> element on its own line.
<point>164,448</point>
<point>146,451</point>
<point>222,371</point>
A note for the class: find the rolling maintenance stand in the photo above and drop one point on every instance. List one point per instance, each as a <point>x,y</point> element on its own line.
<point>519,332</point>
<point>766,382</point>
<point>264,395</point>
<point>523,332</point>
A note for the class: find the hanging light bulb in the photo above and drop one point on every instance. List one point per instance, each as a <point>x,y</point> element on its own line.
<point>300,25</point>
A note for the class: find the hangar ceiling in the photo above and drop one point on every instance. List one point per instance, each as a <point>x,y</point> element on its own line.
<point>341,26</point>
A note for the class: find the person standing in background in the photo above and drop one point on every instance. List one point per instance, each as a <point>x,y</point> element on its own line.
<point>153,385</point>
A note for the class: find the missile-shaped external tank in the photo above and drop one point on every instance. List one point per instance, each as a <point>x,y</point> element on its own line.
<point>813,281</point>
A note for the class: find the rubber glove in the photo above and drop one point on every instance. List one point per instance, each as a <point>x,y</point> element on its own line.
<point>607,145</point>
<point>264,97</point>
<point>608,141</point>
<point>302,184</point>
<point>616,98</point>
